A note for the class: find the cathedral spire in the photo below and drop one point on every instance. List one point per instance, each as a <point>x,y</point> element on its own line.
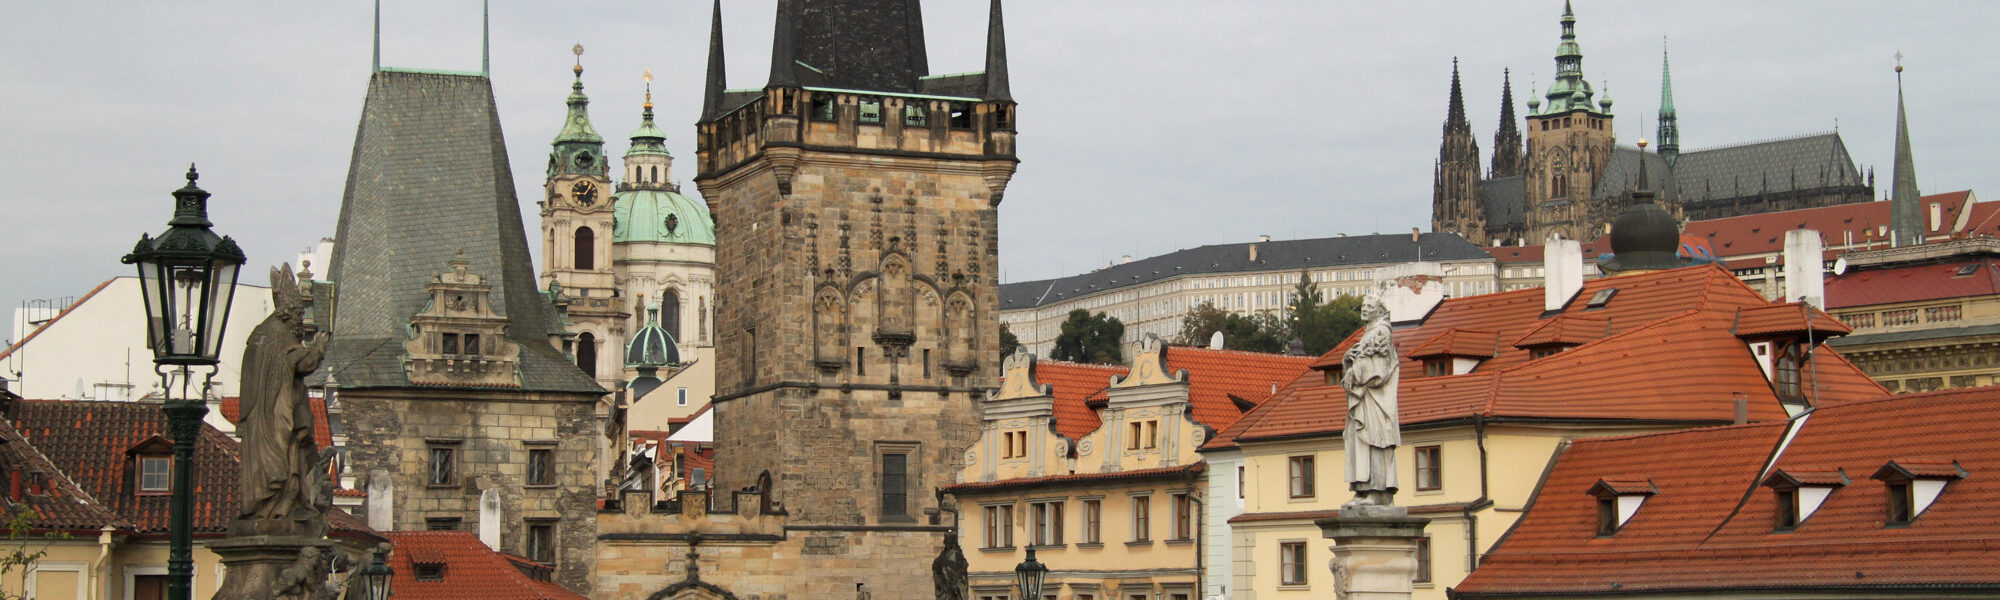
<point>378,38</point>
<point>1905,216</point>
<point>1455,115</point>
<point>711,98</point>
<point>485,39</point>
<point>1507,137</point>
<point>1670,131</point>
<point>1569,91</point>
<point>996,57</point>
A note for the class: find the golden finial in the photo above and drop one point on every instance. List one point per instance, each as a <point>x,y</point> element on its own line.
<point>649,87</point>
<point>1642,144</point>
<point>578,51</point>
<point>1899,61</point>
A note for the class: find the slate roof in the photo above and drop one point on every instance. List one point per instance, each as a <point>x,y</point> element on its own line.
<point>1505,200</point>
<point>1711,526</point>
<point>430,177</point>
<point>1774,166</point>
<point>1648,342</point>
<point>875,45</point>
<point>1862,221</point>
<point>471,570</point>
<point>88,439</point>
<point>1914,283</point>
<point>59,504</point>
<point>1275,255</point>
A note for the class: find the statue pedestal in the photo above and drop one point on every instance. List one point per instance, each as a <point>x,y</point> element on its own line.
<point>1374,556</point>
<point>263,567</point>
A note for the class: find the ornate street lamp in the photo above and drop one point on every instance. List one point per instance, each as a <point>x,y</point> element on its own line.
<point>187,276</point>
<point>1030,574</point>
<point>373,580</point>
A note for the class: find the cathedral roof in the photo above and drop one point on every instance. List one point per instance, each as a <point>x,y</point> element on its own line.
<point>430,178</point>
<point>652,215</point>
<point>1775,166</point>
<point>1505,199</point>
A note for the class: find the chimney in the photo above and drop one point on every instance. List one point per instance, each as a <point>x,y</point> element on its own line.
<point>1937,215</point>
<point>1742,408</point>
<point>1414,233</point>
<point>1410,290</point>
<point>381,501</point>
<point>1562,268</point>
<point>1805,271</point>
<point>489,517</point>
<point>1125,259</point>
<point>1263,238</point>
<point>1253,253</point>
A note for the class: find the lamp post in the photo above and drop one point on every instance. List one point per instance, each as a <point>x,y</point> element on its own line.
<point>375,577</point>
<point>1030,574</point>
<point>187,276</point>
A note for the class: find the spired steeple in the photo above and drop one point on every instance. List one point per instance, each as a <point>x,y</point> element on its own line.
<point>1670,130</point>
<point>1569,91</point>
<point>872,45</point>
<point>578,147</point>
<point>1906,221</point>
<point>648,165</point>
<point>711,98</point>
<point>1454,120</point>
<point>1507,137</point>
<point>996,57</point>
<point>1455,193</point>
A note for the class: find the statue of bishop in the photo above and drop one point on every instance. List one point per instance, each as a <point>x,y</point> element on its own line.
<point>1369,373</point>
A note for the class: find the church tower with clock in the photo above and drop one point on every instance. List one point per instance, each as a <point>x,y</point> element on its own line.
<point>577,228</point>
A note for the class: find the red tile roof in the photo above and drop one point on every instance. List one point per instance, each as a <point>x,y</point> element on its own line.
<point>1214,377</point>
<point>87,439</point>
<point>1459,343</point>
<point>1790,317</point>
<point>471,570</point>
<point>1711,526</point>
<point>1764,233</point>
<point>232,409</point>
<point>28,481</point>
<point>1566,329</point>
<point>1072,384</point>
<point>1913,283</point>
<point>1659,330</point>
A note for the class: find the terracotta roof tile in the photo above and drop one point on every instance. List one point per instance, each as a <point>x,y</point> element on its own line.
<point>232,409</point>
<point>1566,329</point>
<point>1072,385</point>
<point>1809,476</point>
<point>1914,283</point>
<point>1790,317</point>
<point>1659,328</point>
<point>1216,375</point>
<point>87,439</point>
<point>1459,343</point>
<point>1711,526</point>
<point>1764,233</point>
<point>29,481</point>
<point>471,570</point>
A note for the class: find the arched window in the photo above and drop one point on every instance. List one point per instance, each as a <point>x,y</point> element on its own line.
<point>586,353</point>
<point>586,249</point>
<point>656,175</point>
<point>1788,371</point>
<point>670,313</point>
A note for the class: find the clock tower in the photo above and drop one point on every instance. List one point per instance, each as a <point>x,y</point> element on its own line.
<point>576,238</point>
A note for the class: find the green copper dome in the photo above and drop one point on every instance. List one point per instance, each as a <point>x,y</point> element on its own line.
<point>657,215</point>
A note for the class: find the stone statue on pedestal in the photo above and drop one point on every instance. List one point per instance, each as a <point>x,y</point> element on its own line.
<point>1369,373</point>
<point>948,571</point>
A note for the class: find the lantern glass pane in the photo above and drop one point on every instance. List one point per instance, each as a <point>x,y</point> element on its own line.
<point>154,295</point>
<point>189,284</point>
<point>221,291</point>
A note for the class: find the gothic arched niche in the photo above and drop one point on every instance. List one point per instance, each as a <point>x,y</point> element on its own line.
<point>898,308</point>
<point>586,353</point>
<point>670,313</point>
<point>829,342</point>
<point>961,335</point>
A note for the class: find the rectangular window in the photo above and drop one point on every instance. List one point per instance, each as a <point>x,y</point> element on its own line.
<point>444,465</point>
<point>1048,523</point>
<point>1437,367</point>
<point>1152,433</point>
<point>915,114</point>
<point>1899,503</point>
<point>471,344</point>
<point>1302,476</point>
<point>541,466</point>
<point>1788,509</point>
<point>895,485</point>
<point>1423,561</point>
<point>1183,517</point>
<point>860,360</point>
<point>156,474</point>
<point>1607,517</point>
<point>442,524</point>
<point>681,398</point>
<point>449,343</point>
<point>1132,441</point>
<point>1093,518</point>
<point>1292,563</point>
<point>961,115</point>
<point>871,110</point>
<point>1000,526</point>
<point>541,543</point>
<point>1142,519</point>
<point>927,363</point>
<point>1239,481</point>
<point>822,107</point>
<point>1430,474</point>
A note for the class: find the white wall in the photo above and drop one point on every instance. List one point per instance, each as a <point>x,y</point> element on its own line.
<point>99,346</point>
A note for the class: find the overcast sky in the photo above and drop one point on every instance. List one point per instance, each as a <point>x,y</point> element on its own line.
<point>1146,125</point>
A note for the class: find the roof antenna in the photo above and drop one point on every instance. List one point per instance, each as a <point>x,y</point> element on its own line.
<point>378,38</point>
<point>485,38</point>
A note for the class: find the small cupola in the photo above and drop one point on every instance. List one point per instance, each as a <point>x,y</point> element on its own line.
<point>1618,500</point>
<point>1913,485</point>
<point>1800,492</point>
<point>1644,237</point>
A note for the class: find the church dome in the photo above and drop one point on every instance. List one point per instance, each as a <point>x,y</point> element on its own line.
<point>1644,238</point>
<point>657,215</point>
<point>652,346</point>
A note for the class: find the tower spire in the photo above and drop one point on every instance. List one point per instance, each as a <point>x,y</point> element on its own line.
<point>485,38</point>
<point>1905,217</point>
<point>578,147</point>
<point>996,57</point>
<point>1569,91</point>
<point>1455,116</point>
<point>1670,131</point>
<point>377,68</point>
<point>784,44</point>
<point>1507,137</point>
<point>711,98</point>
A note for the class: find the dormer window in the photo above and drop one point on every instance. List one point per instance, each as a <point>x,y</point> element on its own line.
<point>1786,378</point>
<point>156,474</point>
<point>1800,492</point>
<point>1437,367</point>
<point>1618,501</point>
<point>1913,485</point>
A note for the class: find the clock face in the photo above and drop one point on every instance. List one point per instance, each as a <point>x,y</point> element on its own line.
<point>584,193</point>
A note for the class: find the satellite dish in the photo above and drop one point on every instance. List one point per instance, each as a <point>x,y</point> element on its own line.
<point>1840,266</point>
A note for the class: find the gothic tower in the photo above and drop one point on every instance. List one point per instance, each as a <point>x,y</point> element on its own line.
<point>576,238</point>
<point>1569,141</point>
<point>856,202</point>
<point>1906,219</point>
<point>1507,138</point>
<point>1670,128</point>
<point>1455,189</point>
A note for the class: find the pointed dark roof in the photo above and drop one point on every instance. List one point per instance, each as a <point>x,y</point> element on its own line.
<point>1505,200</point>
<point>430,177</point>
<point>1455,114</point>
<point>996,57</point>
<point>873,45</point>
<point>718,81</point>
<point>1906,222</point>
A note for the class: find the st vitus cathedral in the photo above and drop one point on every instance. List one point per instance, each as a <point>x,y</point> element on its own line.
<point>1573,175</point>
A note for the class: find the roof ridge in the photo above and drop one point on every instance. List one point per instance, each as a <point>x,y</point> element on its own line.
<point>1689,430</point>
<point>1770,140</point>
<point>1598,343</point>
<point>59,315</point>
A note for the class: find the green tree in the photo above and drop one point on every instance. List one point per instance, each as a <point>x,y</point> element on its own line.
<point>1089,338</point>
<point>1262,332</point>
<point>1007,342</point>
<point>1318,323</point>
